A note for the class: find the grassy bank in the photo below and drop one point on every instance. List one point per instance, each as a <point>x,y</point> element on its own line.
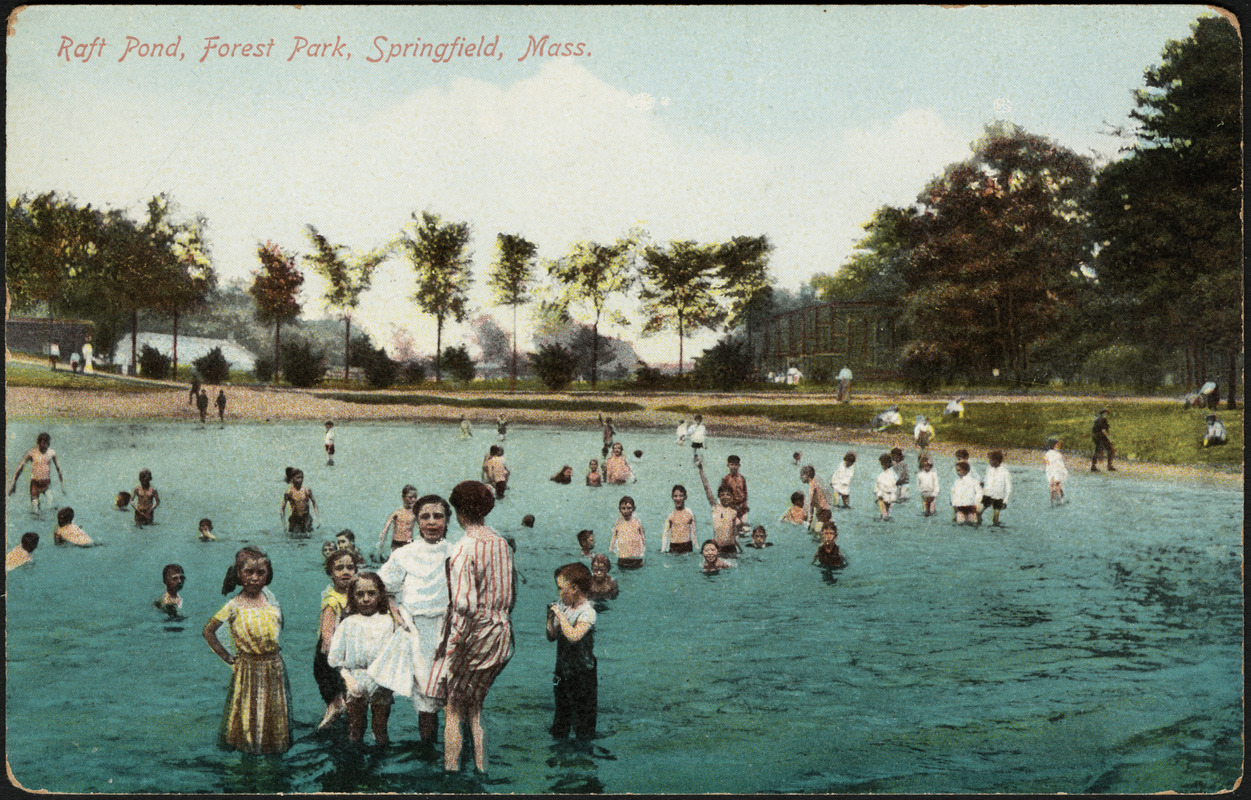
<point>1163,433</point>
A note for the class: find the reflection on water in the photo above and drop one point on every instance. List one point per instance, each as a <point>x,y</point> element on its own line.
<point>1091,647</point>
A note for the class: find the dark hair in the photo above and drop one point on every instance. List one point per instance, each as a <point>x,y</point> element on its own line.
<point>30,541</point>
<point>170,568</point>
<point>576,573</point>
<point>885,460</point>
<point>797,498</point>
<point>472,500</point>
<point>995,457</point>
<point>849,458</point>
<point>65,516</point>
<point>427,499</point>
<point>583,535</point>
<point>528,520</point>
<point>351,595</point>
<point>352,553</point>
<point>208,522</point>
<point>733,460</point>
<point>249,553</point>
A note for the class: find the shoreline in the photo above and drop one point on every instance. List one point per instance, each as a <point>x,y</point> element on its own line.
<point>254,405</point>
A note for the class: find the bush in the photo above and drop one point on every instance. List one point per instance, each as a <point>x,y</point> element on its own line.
<point>263,369</point>
<point>726,365</point>
<point>414,371</point>
<point>457,363</point>
<point>302,366</point>
<point>153,363</point>
<point>922,364</point>
<point>380,370</point>
<point>555,365</point>
<point>213,367</point>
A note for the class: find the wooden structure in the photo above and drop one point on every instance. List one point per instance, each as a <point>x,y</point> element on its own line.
<point>826,337</point>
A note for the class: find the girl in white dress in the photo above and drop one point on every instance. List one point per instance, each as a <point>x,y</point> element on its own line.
<point>357,641</point>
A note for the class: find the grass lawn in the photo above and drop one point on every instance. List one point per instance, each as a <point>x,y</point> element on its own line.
<point>1164,433</point>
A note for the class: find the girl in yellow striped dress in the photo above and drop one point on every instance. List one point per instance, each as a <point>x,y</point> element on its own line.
<point>257,717</point>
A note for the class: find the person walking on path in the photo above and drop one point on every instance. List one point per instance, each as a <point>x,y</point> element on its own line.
<point>1099,432</point>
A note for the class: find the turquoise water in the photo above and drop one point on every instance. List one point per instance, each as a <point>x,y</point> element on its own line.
<point>1095,647</point>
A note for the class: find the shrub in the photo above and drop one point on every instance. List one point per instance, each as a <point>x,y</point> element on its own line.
<point>555,365</point>
<point>263,369</point>
<point>380,370</point>
<point>153,363</point>
<point>725,366</point>
<point>302,366</point>
<point>212,366</point>
<point>457,363</point>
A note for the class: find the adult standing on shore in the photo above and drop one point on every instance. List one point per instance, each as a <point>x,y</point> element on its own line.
<point>478,634</point>
<point>844,384</point>
<point>1099,432</point>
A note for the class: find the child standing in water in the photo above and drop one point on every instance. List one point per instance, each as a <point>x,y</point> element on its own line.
<point>571,624</point>
<point>679,533</point>
<point>42,458</point>
<point>145,498</point>
<point>964,494</point>
<point>885,488</point>
<point>815,500</point>
<point>840,481</point>
<point>725,518</point>
<point>174,578</point>
<point>360,637</point>
<point>67,532</point>
<point>603,587</point>
<point>627,537</point>
<point>402,520</point>
<point>257,718</point>
<point>1057,473</point>
<point>996,487</point>
<point>301,499</point>
<point>341,566</point>
<point>927,483</point>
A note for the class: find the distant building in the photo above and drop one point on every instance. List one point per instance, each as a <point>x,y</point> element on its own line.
<point>189,349</point>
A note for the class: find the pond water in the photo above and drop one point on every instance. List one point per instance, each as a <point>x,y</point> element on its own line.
<point>1093,647</point>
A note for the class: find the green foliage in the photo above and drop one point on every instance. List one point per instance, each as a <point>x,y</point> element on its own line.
<point>213,367</point>
<point>436,251</point>
<point>458,363</point>
<point>153,363</point>
<point>263,369</point>
<point>302,365</point>
<point>724,366</point>
<point>555,366</point>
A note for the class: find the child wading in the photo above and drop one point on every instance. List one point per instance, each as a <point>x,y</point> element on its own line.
<point>571,624</point>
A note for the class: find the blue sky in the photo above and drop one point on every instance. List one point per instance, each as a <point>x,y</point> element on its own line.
<point>703,123</point>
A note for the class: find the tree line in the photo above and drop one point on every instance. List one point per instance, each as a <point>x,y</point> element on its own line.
<point>1030,261</point>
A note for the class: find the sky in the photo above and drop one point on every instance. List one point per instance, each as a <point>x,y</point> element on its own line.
<point>696,123</point>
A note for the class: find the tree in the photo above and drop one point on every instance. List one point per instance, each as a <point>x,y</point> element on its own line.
<point>555,366</point>
<point>512,278</point>
<point>588,278</point>
<point>680,289</point>
<point>459,363</point>
<point>1168,215</point>
<point>996,249</point>
<point>274,289</point>
<point>347,277</point>
<point>743,268</point>
<point>436,251</point>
